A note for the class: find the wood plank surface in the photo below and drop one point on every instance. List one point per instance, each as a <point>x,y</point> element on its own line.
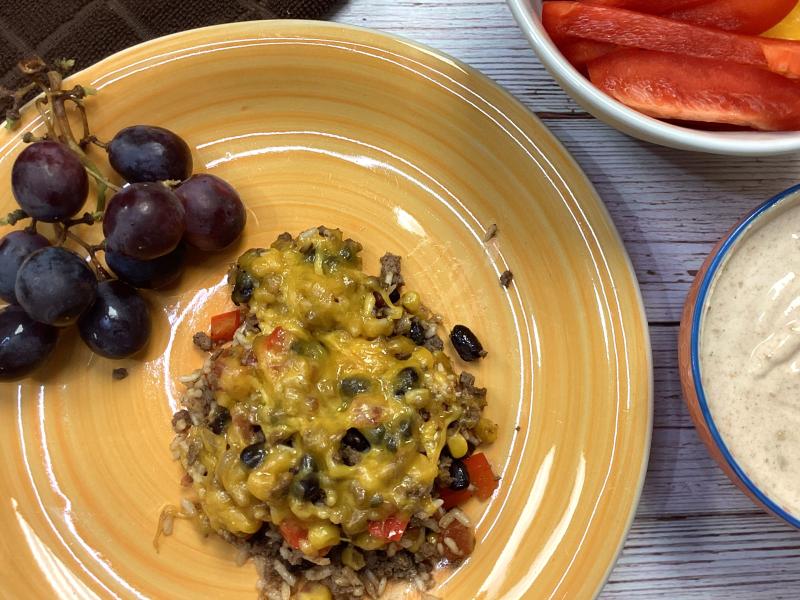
<point>695,534</point>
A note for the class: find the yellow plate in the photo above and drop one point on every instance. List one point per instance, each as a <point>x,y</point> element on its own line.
<point>406,150</point>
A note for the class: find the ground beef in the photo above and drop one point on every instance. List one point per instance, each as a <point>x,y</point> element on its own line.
<point>434,343</point>
<point>350,456</point>
<point>181,421</point>
<point>202,341</point>
<point>443,479</point>
<point>390,277</point>
<point>506,278</point>
<point>466,385</point>
<point>199,407</point>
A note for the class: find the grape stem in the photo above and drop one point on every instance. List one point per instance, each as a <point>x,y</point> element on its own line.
<point>58,128</point>
<point>13,217</point>
<point>91,252</point>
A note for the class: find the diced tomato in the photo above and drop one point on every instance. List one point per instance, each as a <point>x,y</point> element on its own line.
<point>293,532</point>
<point>453,498</point>
<point>741,16</point>
<point>565,20</point>
<point>276,341</point>
<point>480,475</point>
<point>696,89</point>
<point>223,326</point>
<point>390,529</point>
<point>463,538</point>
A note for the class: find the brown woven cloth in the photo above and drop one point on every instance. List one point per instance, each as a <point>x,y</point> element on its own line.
<point>88,30</point>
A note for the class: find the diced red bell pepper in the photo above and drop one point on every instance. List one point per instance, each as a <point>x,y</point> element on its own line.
<point>453,498</point>
<point>462,536</point>
<point>293,532</point>
<point>667,86</point>
<point>276,341</point>
<point>223,326</point>
<point>391,528</point>
<point>740,16</point>
<point>480,475</point>
<point>566,20</point>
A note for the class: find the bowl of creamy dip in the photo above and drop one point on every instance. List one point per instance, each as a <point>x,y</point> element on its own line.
<point>739,354</point>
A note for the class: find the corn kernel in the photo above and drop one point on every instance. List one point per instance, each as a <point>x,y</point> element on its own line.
<point>353,558</point>
<point>457,445</point>
<point>486,430</point>
<point>423,356</point>
<point>323,535</point>
<point>410,300</point>
<point>368,542</point>
<point>314,591</point>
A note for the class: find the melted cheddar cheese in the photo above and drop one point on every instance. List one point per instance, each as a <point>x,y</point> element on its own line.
<point>324,359</point>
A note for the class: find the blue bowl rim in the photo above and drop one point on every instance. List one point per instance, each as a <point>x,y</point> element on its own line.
<point>695,345</point>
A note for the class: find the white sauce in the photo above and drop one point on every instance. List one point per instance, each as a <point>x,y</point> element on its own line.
<point>750,353</point>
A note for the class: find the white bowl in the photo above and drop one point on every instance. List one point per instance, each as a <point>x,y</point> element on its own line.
<point>737,143</point>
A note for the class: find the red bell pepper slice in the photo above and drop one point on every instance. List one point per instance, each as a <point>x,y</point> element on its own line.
<point>696,89</point>
<point>391,528</point>
<point>740,16</point>
<point>293,532</point>
<point>566,20</point>
<point>480,475</point>
<point>654,7</point>
<point>223,326</point>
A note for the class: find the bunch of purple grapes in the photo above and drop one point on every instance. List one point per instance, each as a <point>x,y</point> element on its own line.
<point>147,225</point>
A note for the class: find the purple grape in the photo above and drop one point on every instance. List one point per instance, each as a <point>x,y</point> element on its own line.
<point>215,215</point>
<point>55,285</point>
<point>15,247</point>
<point>49,182</point>
<point>148,274</point>
<point>118,323</point>
<point>144,221</point>
<point>148,153</point>
<point>24,343</point>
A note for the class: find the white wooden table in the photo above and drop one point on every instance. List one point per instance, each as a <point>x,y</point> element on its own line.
<point>695,535</point>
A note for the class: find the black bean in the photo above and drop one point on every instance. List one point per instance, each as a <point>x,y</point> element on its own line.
<point>466,343</point>
<point>459,474</point>
<point>406,379</point>
<point>416,332</point>
<point>351,386</point>
<point>220,421</point>
<point>308,488</point>
<point>253,455</point>
<point>242,288</point>
<point>395,295</point>
<point>355,440</point>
